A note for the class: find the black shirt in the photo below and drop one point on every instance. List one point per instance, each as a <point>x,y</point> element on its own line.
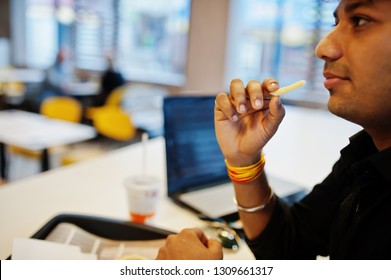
<point>347,216</point>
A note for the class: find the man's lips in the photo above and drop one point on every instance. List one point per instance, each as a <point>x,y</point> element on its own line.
<point>332,80</point>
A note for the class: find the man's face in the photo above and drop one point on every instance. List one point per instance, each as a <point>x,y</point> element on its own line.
<point>357,55</point>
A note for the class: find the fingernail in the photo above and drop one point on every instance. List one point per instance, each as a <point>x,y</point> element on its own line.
<point>273,86</point>
<point>235,118</point>
<point>242,108</point>
<point>258,103</point>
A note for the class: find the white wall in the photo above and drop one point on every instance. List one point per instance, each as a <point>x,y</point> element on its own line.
<point>207,44</point>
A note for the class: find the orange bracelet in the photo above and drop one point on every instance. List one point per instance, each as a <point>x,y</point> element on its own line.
<point>246,174</point>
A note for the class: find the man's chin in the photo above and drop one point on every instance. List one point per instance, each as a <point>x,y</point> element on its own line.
<point>336,107</point>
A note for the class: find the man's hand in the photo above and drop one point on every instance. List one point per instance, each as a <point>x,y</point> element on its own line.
<point>190,244</point>
<point>246,119</point>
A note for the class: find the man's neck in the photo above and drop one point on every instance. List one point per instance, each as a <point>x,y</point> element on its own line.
<point>381,139</point>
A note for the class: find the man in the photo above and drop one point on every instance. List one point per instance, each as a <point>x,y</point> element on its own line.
<point>348,215</point>
<point>110,80</point>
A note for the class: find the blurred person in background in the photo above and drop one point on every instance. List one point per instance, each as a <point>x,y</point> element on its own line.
<point>57,80</point>
<point>60,74</point>
<point>110,80</point>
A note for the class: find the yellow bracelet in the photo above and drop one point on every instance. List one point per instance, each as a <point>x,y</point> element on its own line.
<point>246,174</point>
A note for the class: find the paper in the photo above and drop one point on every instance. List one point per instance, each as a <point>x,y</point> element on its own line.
<point>67,242</point>
<point>35,249</point>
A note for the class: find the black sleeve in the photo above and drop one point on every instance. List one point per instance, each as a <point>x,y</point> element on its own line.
<point>302,230</point>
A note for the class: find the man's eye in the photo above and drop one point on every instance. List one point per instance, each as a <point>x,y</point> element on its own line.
<point>359,21</point>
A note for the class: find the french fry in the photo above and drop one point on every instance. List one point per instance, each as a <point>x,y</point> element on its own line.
<point>286,89</point>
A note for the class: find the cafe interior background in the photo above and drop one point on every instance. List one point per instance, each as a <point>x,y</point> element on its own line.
<point>162,48</point>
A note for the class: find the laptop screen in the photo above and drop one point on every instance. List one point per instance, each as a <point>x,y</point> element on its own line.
<point>194,159</point>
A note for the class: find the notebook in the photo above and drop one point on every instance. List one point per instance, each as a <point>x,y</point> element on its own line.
<point>196,172</point>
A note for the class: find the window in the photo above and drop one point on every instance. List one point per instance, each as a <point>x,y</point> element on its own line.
<point>40,33</point>
<point>94,33</point>
<point>277,38</point>
<point>152,40</point>
<point>147,38</point>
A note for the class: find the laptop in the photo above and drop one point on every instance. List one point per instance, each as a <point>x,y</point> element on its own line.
<point>196,173</point>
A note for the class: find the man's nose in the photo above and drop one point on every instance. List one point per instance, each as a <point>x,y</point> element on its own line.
<point>329,48</point>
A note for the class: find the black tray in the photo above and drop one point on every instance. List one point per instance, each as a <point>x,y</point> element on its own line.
<point>104,227</point>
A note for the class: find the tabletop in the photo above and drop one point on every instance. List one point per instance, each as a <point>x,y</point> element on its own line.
<point>36,132</point>
<point>88,88</point>
<point>94,187</point>
<point>21,75</point>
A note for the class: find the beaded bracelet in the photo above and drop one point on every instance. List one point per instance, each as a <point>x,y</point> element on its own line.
<point>246,174</point>
<point>255,208</point>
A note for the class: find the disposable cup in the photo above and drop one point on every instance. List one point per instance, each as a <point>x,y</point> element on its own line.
<point>142,194</point>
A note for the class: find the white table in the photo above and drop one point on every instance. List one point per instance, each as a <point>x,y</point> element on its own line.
<point>93,187</point>
<point>303,151</point>
<point>82,89</point>
<point>21,75</point>
<point>38,133</point>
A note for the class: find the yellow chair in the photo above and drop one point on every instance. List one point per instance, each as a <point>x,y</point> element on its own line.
<point>56,107</point>
<point>113,123</point>
<point>115,97</point>
<point>63,108</point>
<point>110,122</point>
<point>113,100</point>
